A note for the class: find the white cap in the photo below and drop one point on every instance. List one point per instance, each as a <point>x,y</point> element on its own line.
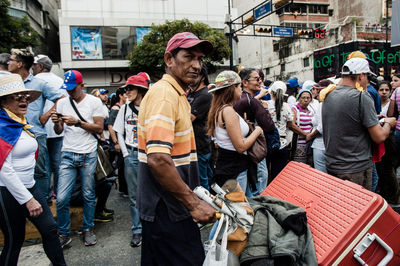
<point>356,66</point>
<point>308,84</point>
<point>278,85</point>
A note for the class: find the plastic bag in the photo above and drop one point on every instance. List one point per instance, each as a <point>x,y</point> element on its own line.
<point>217,254</point>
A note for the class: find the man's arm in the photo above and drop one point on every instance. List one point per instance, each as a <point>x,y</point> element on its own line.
<point>58,122</point>
<point>262,116</point>
<point>164,171</point>
<point>46,116</point>
<point>96,127</point>
<point>379,133</point>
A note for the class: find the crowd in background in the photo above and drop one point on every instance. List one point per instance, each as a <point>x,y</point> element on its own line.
<point>298,121</point>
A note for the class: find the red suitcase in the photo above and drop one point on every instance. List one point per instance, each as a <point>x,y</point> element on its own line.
<point>350,225</point>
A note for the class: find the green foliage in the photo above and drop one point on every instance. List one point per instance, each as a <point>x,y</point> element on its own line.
<point>148,56</point>
<point>15,32</point>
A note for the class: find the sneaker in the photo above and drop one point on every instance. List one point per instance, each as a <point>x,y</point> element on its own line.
<point>108,211</point>
<point>103,217</point>
<point>64,240</point>
<point>89,237</point>
<point>136,240</point>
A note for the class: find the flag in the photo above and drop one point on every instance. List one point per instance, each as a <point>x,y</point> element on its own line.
<point>10,130</point>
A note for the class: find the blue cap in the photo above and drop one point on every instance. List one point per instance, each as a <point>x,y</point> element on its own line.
<point>291,83</point>
<point>103,91</point>
<point>304,90</point>
<point>71,79</point>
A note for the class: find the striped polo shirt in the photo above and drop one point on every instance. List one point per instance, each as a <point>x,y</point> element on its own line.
<point>304,122</point>
<point>164,126</point>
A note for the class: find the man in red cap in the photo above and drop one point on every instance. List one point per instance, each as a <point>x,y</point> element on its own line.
<point>126,127</point>
<point>168,169</point>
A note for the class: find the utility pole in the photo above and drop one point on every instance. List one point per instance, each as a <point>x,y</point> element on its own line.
<point>229,21</point>
<point>387,38</point>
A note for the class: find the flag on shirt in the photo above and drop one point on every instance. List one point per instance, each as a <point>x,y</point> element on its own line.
<point>10,131</point>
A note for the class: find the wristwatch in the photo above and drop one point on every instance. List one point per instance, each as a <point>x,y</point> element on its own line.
<point>78,124</point>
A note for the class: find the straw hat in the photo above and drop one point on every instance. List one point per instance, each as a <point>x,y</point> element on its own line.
<point>12,83</point>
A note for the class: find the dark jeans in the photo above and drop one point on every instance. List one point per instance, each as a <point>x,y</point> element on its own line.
<point>277,160</point>
<point>363,178</point>
<point>169,243</point>
<point>103,189</point>
<point>54,146</point>
<point>12,223</point>
<point>123,187</point>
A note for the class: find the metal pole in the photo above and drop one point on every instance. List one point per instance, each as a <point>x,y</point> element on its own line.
<point>230,36</point>
<point>387,37</point>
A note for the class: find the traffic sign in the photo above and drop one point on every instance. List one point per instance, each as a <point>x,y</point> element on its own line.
<point>262,10</point>
<point>288,32</point>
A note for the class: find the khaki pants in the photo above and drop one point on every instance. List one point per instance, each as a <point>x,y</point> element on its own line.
<point>363,178</point>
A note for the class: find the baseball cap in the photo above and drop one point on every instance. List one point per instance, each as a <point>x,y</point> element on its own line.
<point>103,91</point>
<point>302,91</point>
<point>187,40</point>
<point>308,84</point>
<point>355,66</point>
<point>278,85</point>
<point>291,83</point>
<point>225,79</point>
<point>137,81</point>
<point>71,79</point>
<point>43,60</point>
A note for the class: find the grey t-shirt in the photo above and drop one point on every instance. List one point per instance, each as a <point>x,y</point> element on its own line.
<point>346,116</point>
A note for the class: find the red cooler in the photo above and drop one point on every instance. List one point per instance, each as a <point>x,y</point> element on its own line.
<point>350,225</point>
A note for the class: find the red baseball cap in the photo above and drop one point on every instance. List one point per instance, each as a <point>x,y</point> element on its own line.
<point>187,40</point>
<point>137,81</point>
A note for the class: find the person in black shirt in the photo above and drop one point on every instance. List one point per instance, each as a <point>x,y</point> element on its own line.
<point>200,101</point>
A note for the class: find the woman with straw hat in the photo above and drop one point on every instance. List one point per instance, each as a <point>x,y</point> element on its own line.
<point>19,196</point>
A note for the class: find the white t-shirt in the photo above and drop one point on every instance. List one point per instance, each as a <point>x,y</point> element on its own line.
<point>76,139</point>
<point>291,101</point>
<point>17,171</point>
<point>127,125</point>
<point>106,114</point>
<point>55,82</point>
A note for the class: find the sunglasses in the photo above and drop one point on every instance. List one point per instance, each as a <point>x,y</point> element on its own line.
<point>19,97</point>
<point>256,79</point>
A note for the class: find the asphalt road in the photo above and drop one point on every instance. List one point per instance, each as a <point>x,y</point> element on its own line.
<point>112,246</point>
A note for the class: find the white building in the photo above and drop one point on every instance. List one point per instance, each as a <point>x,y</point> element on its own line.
<point>344,21</point>
<point>96,35</point>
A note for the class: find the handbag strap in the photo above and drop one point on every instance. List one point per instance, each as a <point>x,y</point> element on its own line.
<point>80,116</point>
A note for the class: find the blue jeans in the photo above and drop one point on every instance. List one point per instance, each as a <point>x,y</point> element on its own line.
<point>72,165</point>
<point>375,178</point>
<point>397,140</point>
<point>262,179</point>
<point>54,146</point>
<point>205,172</point>
<point>42,167</point>
<point>131,166</point>
<point>319,160</point>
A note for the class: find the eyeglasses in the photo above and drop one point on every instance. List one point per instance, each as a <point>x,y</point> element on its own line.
<point>12,59</point>
<point>19,97</point>
<point>255,78</point>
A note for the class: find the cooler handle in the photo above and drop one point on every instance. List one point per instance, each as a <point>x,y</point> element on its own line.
<point>365,243</point>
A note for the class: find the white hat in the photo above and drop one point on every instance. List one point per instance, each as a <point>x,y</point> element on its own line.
<point>12,83</point>
<point>356,66</point>
<point>278,85</point>
<point>308,84</point>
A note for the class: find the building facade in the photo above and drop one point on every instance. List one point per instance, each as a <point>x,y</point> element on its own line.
<point>43,18</point>
<point>96,36</point>
<point>341,21</point>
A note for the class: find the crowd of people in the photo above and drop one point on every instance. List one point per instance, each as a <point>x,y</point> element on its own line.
<point>164,139</point>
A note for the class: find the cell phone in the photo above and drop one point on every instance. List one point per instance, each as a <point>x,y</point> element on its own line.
<point>59,115</point>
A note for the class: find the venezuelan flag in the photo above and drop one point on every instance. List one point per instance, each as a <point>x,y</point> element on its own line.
<point>10,131</point>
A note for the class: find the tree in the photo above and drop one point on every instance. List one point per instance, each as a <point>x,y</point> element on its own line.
<point>15,32</point>
<point>148,56</point>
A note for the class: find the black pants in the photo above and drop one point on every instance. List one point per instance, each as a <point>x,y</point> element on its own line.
<point>103,189</point>
<point>123,187</point>
<point>12,223</point>
<point>169,243</point>
<point>276,161</point>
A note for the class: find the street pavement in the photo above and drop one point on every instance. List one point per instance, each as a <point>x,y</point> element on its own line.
<point>112,246</point>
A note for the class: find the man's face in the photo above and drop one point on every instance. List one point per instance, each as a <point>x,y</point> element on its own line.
<point>253,83</point>
<point>14,64</point>
<point>186,65</point>
<point>364,81</point>
<point>37,68</point>
<point>104,97</point>
<point>75,92</point>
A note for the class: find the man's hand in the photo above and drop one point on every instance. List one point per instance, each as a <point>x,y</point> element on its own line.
<point>203,212</point>
<point>34,207</point>
<point>391,121</point>
<point>69,120</point>
<point>55,118</point>
<point>117,147</point>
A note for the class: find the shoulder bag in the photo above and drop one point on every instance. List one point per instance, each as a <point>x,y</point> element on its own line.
<point>104,167</point>
<point>258,151</point>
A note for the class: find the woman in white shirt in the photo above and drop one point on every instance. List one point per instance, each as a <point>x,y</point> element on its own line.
<point>19,196</point>
<point>229,129</point>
